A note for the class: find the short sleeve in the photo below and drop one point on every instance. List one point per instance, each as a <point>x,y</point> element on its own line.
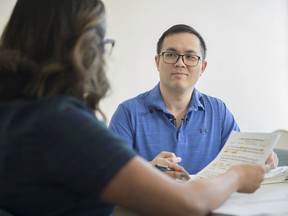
<point>81,153</point>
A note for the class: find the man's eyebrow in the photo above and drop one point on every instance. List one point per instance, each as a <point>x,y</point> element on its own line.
<point>171,49</point>
<point>191,51</point>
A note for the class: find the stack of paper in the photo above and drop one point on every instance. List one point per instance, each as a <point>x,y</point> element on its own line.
<point>277,175</point>
<point>268,200</point>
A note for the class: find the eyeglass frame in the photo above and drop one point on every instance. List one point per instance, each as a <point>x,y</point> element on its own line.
<point>182,57</point>
<point>108,41</point>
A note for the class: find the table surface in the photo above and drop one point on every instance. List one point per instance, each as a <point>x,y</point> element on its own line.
<point>268,200</point>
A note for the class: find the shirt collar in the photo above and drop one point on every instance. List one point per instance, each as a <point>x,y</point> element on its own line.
<point>155,101</point>
<point>197,102</point>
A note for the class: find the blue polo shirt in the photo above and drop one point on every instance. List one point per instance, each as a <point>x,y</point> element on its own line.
<point>145,124</point>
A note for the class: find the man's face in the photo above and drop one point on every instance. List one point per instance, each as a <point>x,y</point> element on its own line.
<point>178,76</point>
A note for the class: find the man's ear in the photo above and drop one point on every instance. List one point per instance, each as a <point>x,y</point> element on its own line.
<point>157,59</point>
<point>204,65</point>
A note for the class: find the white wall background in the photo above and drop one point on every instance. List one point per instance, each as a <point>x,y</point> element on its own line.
<point>247,58</point>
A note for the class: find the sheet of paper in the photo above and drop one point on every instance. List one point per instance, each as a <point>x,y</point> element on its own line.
<point>277,175</point>
<point>270,199</point>
<point>241,147</point>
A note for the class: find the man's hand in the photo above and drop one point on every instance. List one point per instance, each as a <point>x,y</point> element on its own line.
<point>272,160</point>
<point>170,160</point>
<point>166,158</point>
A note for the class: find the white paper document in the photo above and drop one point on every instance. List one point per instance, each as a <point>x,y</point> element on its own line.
<point>252,148</point>
<point>268,200</point>
<point>241,147</point>
<point>277,175</point>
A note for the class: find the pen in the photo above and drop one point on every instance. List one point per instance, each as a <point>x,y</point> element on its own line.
<point>163,168</point>
<point>182,177</point>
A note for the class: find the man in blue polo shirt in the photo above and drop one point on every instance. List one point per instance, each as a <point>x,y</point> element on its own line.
<point>174,122</point>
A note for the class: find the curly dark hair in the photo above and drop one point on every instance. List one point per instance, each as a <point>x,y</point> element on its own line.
<point>54,47</point>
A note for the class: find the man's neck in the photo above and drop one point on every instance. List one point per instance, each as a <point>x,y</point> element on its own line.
<point>176,102</point>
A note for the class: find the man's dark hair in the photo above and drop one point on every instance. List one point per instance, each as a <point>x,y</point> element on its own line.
<point>182,28</point>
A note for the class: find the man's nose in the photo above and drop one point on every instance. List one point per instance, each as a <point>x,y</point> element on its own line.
<point>180,61</point>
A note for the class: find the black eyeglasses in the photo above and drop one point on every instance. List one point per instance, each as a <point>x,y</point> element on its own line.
<point>108,45</point>
<point>173,57</point>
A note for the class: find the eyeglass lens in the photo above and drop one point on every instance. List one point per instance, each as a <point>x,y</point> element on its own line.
<point>108,45</point>
<point>188,59</point>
